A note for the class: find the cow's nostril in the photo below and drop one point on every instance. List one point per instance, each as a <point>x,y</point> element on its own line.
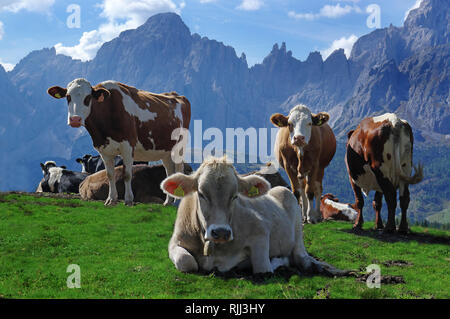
<point>215,234</point>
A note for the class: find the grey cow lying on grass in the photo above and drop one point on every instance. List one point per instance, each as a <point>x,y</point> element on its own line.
<point>226,221</point>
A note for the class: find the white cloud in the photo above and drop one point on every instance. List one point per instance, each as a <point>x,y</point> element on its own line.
<point>121,15</point>
<point>250,5</point>
<point>327,11</point>
<point>15,6</point>
<point>342,43</point>
<point>2,31</point>
<point>415,6</point>
<point>207,1</point>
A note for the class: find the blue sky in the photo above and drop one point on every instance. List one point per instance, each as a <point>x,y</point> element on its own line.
<point>250,26</point>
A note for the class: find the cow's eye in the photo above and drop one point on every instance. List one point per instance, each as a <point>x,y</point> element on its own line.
<point>290,126</point>
<point>201,196</point>
<point>234,197</point>
<point>87,100</point>
<point>68,98</point>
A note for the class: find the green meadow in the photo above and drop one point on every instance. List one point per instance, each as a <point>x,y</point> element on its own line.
<point>122,253</point>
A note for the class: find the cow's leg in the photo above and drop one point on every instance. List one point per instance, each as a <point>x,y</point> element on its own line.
<point>259,255</point>
<point>359,204</point>
<point>311,190</point>
<point>169,165</point>
<point>377,204</point>
<point>404,204</point>
<point>295,183</point>
<point>318,194</point>
<point>127,157</point>
<point>305,202</point>
<point>109,165</point>
<point>390,195</point>
<point>182,259</point>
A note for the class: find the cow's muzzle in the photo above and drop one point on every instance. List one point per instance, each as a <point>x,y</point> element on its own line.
<point>299,140</point>
<point>220,235</point>
<point>75,121</point>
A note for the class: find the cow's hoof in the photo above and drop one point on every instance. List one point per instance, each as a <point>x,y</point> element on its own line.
<point>129,203</point>
<point>403,230</point>
<point>110,202</point>
<point>357,228</point>
<point>378,227</point>
<point>389,230</point>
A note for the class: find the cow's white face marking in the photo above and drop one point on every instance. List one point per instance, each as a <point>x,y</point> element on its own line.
<point>77,93</point>
<point>55,174</point>
<point>130,106</point>
<point>300,125</point>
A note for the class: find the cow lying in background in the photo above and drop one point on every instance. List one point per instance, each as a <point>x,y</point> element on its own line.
<point>226,221</point>
<point>59,179</point>
<point>145,184</point>
<point>331,209</point>
<point>92,164</point>
<point>45,168</point>
<point>379,157</point>
<point>304,147</point>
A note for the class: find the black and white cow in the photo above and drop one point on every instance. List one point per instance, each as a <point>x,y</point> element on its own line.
<point>93,164</point>
<point>59,179</point>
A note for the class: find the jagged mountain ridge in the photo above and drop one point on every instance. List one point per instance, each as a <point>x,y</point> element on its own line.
<point>396,69</point>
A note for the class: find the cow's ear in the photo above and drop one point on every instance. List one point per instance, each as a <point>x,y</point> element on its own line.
<point>179,185</point>
<point>57,92</point>
<point>100,94</point>
<point>79,160</point>
<point>349,134</point>
<point>279,120</point>
<point>63,167</point>
<point>320,118</point>
<point>253,186</point>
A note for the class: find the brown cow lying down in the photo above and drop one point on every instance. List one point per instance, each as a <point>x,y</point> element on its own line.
<point>145,184</point>
<point>331,209</point>
<point>225,220</point>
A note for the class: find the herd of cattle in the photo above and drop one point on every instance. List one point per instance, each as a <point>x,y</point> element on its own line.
<point>225,219</point>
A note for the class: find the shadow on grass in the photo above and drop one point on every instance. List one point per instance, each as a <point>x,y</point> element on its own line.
<point>281,274</point>
<point>397,237</point>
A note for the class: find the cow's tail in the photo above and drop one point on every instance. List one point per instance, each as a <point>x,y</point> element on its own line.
<point>310,265</point>
<point>418,170</point>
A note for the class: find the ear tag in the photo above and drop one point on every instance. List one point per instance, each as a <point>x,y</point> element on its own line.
<point>57,95</point>
<point>254,191</point>
<point>178,192</point>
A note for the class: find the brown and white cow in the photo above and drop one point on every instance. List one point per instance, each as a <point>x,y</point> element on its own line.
<point>225,220</point>
<point>332,209</point>
<point>379,157</point>
<point>123,120</point>
<point>304,147</point>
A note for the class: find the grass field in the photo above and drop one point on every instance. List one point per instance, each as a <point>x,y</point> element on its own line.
<point>122,253</point>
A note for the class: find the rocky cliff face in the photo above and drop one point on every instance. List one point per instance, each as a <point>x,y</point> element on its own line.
<point>403,70</point>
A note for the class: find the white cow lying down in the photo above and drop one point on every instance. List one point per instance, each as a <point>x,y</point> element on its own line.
<point>226,221</point>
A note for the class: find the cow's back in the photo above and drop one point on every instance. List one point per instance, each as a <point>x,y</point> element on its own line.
<point>385,143</point>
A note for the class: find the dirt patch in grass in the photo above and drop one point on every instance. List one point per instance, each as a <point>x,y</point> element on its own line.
<point>385,279</point>
<point>397,263</point>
